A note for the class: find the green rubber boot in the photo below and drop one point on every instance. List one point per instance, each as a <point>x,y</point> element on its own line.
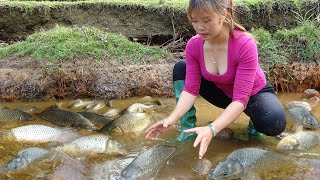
<point>188,120</point>
<point>253,133</point>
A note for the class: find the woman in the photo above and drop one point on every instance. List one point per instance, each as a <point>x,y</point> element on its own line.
<point>222,66</point>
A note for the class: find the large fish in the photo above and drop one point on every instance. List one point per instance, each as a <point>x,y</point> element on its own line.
<point>147,164</point>
<point>14,115</point>
<point>303,140</point>
<point>301,116</point>
<point>91,145</point>
<point>33,133</point>
<point>299,104</point>
<point>255,160</point>
<point>66,118</point>
<point>24,157</point>
<point>127,123</point>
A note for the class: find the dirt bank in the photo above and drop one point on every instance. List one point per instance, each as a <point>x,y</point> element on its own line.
<point>35,81</point>
<point>17,22</point>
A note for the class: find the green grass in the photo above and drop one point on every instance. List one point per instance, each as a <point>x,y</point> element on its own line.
<point>63,43</point>
<point>151,4</point>
<point>269,49</point>
<point>302,42</point>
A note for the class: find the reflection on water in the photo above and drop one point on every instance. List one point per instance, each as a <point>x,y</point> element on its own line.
<point>179,167</point>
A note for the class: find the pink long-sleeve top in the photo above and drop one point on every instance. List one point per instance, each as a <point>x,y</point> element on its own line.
<point>243,77</point>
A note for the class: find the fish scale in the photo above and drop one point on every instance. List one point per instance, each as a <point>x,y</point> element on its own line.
<point>308,141</point>
<point>38,133</point>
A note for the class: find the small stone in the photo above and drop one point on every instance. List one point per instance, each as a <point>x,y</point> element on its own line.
<point>308,93</point>
<point>225,134</point>
<point>202,166</point>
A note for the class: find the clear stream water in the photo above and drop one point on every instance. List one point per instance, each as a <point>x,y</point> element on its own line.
<point>179,167</point>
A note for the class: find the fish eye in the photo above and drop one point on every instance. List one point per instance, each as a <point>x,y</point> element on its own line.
<point>225,173</point>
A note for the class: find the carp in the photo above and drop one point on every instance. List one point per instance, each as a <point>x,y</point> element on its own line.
<point>133,122</point>
<point>148,163</point>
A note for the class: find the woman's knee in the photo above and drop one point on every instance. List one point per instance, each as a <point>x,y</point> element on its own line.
<point>271,124</point>
<point>179,71</point>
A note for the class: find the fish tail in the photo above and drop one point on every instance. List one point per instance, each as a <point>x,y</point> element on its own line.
<point>5,134</point>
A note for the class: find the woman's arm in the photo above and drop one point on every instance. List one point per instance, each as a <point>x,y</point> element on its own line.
<point>228,116</point>
<point>205,134</point>
<point>185,102</point>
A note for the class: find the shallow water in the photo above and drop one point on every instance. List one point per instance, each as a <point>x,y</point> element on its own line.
<point>178,167</point>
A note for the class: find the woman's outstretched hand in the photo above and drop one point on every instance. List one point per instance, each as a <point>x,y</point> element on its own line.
<point>159,128</point>
<point>204,137</point>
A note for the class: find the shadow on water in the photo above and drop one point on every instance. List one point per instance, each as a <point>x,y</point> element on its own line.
<point>179,167</point>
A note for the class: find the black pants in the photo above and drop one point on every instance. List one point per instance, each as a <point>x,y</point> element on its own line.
<point>264,109</point>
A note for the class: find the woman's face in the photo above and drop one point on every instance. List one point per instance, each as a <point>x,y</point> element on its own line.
<point>207,25</point>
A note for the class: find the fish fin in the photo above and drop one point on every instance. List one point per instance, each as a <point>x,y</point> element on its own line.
<point>117,131</point>
<point>299,128</point>
<point>6,134</point>
<point>67,136</point>
<point>296,127</point>
<point>251,175</point>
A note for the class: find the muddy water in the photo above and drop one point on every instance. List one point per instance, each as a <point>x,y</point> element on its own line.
<point>179,167</point>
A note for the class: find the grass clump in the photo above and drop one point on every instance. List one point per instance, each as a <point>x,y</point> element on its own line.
<point>62,43</point>
<point>302,42</point>
<point>270,52</point>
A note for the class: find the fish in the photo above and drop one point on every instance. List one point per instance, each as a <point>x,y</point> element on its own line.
<point>32,133</point>
<point>133,122</point>
<point>24,157</point>
<point>299,104</point>
<point>254,161</point>
<point>29,109</point>
<point>79,103</point>
<point>95,106</point>
<point>301,140</point>
<point>14,115</point>
<point>96,118</point>
<point>66,118</point>
<point>147,164</point>
<point>300,116</point>
<point>92,144</point>
<point>149,101</point>
<point>112,113</point>
<point>136,108</point>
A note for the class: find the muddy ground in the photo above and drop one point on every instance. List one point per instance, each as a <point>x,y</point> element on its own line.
<point>39,81</point>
